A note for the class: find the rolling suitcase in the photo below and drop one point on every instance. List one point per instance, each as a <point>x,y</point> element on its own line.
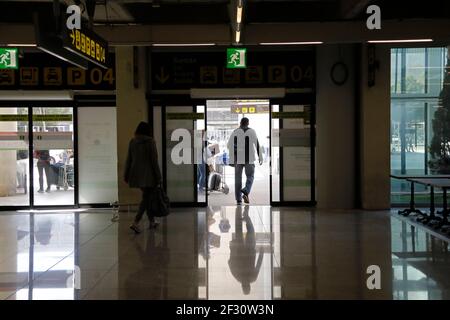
<point>214,181</point>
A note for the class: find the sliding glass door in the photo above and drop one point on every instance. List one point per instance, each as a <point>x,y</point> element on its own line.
<point>37,169</point>
<point>184,165</point>
<point>53,152</point>
<point>292,154</point>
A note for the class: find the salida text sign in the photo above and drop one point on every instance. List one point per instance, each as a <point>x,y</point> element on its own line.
<point>186,70</point>
<point>42,71</point>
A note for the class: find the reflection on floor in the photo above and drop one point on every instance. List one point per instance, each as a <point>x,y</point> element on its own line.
<point>252,252</point>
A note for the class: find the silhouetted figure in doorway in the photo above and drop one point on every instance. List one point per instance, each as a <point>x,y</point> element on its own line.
<point>242,145</point>
<point>43,165</point>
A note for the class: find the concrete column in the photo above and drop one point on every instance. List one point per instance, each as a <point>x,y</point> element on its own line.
<point>131,109</point>
<point>335,114</point>
<point>375,132</point>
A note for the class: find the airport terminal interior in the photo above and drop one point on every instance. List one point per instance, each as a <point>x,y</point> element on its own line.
<point>347,149</point>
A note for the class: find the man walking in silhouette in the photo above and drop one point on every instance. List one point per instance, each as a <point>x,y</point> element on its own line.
<point>243,146</point>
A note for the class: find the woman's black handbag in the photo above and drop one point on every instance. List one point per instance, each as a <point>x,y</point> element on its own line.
<point>160,204</point>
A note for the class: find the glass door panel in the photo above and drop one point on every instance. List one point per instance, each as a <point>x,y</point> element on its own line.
<point>14,159</point>
<point>184,129</point>
<point>275,168</point>
<point>53,152</point>
<point>296,143</point>
<point>291,153</point>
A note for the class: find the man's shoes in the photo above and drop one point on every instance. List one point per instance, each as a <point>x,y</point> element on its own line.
<point>239,203</point>
<point>245,197</point>
<point>47,190</point>
<point>153,225</point>
<point>135,228</point>
<point>41,191</point>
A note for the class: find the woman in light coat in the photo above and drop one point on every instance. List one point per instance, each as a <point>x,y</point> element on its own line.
<point>142,171</point>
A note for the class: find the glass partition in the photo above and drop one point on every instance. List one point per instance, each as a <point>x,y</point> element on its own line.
<point>97,148</point>
<point>420,85</point>
<point>292,173</point>
<point>184,128</point>
<point>14,157</point>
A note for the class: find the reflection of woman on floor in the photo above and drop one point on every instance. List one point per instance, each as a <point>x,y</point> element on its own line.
<point>243,251</point>
<point>150,280</point>
<point>43,164</point>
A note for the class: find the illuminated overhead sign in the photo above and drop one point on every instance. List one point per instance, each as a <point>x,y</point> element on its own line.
<point>9,58</point>
<point>175,70</point>
<point>86,44</point>
<point>249,109</point>
<point>49,41</point>
<point>40,71</point>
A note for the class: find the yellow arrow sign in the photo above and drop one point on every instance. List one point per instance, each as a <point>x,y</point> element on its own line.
<point>162,77</point>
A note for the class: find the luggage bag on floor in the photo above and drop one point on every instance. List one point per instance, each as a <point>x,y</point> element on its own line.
<point>214,181</point>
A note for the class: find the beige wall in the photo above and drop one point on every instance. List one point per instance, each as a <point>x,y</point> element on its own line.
<point>335,123</point>
<point>336,136</point>
<point>375,133</point>
<point>131,109</point>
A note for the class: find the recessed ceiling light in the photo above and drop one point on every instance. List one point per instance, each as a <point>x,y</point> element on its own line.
<point>21,45</point>
<point>182,44</point>
<point>239,15</point>
<point>290,43</point>
<point>400,41</point>
<point>238,36</point>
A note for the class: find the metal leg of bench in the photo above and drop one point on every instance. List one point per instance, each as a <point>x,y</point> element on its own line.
<point>444,222</point>
<point>425,219</point>
<point>412,205</point>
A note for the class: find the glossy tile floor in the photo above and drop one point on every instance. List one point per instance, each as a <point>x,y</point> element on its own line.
<point>251,252</point>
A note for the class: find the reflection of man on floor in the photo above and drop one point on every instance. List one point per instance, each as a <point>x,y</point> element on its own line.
<point>243,252</point>
<point>242,145</point>
<point>43,233</point>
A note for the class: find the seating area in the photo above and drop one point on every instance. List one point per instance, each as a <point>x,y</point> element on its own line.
<point>431,218</point>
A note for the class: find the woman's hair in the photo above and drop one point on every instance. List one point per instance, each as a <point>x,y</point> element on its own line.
<point>143,129</point>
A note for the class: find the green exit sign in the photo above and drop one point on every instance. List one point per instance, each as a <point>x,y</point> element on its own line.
<point>236,58</point>
<point>9,58</point>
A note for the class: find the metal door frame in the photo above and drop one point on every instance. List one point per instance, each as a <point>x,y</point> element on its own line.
<point>293,100</point>
<point>186,100</point>
<point>176,101</point>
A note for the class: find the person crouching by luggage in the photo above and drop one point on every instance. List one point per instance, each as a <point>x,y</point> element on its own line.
<point>142,171</point>
<point>242,145</point>
<point>43,165</point>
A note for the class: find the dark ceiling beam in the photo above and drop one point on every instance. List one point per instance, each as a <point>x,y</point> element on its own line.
<point>328,32</point>
<point>350,9</point>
